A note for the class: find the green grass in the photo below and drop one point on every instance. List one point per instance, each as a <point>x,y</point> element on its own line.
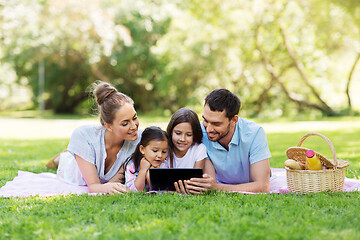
<point>168,216</point>
<point>171,216</point>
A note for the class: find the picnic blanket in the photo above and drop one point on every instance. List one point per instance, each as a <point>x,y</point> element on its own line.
<point>48,184</point>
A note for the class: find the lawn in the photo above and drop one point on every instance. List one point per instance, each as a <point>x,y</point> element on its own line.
<point>171,216</point>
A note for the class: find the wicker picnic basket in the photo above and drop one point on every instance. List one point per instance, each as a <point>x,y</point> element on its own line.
<point>308,181</point>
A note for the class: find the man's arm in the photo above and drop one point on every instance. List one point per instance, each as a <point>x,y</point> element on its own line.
<point>260,172</point>
<point>209,168</point>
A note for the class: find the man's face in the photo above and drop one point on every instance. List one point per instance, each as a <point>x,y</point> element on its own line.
<point>216,123</point>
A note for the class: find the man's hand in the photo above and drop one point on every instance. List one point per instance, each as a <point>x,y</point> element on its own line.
<point>180,187</point>
<point>196,185</point>
<point>201,185</point>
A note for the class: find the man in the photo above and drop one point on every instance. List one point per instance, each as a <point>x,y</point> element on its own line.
<point>238,149</point>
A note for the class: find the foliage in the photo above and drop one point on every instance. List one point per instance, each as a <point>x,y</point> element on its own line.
<point>280,57</point>
<point>79,43</point>
<point>252,38</point>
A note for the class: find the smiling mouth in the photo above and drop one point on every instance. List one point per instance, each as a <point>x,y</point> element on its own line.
<point>133,133</point>
<point>181,144</point>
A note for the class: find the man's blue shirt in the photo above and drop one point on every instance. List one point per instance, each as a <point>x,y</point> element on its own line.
<point>247,146</point>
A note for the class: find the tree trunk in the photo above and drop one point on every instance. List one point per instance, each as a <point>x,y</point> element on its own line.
<point>348,82</point>
<point>300,68</point>
<point>292,96</point>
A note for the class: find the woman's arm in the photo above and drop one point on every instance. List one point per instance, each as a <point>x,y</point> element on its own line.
<point>89,173</point>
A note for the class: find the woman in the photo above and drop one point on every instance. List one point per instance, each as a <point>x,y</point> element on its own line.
<point>95,153</point>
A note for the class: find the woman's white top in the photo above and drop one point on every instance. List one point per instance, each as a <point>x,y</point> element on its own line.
<point>195,153</point>
<point>88,142</point>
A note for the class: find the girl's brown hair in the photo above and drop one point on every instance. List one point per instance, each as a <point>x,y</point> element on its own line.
<point>149,134</point>
<point>180,116</point>
<point>109,101</point>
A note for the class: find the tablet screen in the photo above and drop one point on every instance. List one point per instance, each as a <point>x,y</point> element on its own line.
<point>162,179</point>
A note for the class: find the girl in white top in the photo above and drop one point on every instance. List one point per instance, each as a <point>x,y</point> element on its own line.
<point>95,153</point>
<point>185,136</point>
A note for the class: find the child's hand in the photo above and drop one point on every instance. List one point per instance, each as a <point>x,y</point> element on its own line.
<point>144,164</point>
<point>148,177</point>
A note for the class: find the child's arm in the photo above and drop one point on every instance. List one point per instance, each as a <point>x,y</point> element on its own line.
<point>130,177</point>
<point>141,178</point>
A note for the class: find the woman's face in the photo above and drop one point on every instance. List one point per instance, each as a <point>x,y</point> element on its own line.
<point>182,138</point>
<point>155,152</point>
<point>126,123</point>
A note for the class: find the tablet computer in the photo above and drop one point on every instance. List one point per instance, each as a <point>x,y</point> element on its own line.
<point>162,179</point>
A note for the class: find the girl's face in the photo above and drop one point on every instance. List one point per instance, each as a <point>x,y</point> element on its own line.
<point>155,152</point>
<point>126,123</point>
<point>182,138</point>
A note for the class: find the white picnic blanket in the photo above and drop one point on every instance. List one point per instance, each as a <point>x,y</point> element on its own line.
<point>48,184</point>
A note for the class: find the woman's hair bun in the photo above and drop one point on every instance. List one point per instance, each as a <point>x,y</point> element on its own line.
<point>109,100</point>
<point>102,91</point>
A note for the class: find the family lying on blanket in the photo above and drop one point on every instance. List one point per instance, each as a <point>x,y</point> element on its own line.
<point>233,152</point>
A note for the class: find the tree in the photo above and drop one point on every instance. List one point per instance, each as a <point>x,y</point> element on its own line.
<point>270,53</point>
<point>352,7</point>
<point>71,37</point>
<point>280,57</point>
<point>324,44</point>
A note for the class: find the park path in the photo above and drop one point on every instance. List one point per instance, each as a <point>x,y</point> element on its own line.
<point>22,128</point>
<point>29,128</point>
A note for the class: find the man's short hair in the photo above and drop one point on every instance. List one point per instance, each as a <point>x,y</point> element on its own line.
<point>220,99</point>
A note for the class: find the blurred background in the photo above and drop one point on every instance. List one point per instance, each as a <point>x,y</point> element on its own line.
<point>283,58</point>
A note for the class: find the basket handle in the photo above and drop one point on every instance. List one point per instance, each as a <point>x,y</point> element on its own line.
<point>325,138</point>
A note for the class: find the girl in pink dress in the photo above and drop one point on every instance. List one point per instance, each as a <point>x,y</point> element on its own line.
<point>149,153</point>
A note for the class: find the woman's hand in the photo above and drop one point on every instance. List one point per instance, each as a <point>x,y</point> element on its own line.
<point>115,187</point>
